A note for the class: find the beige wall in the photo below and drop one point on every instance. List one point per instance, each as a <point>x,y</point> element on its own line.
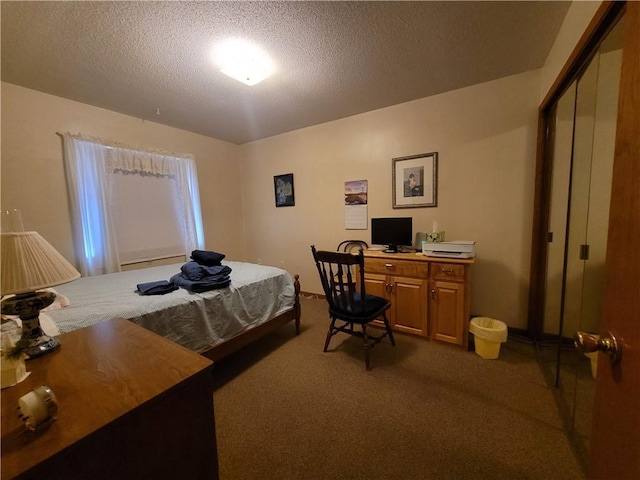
<point>485,137</point>
<point>33,179</point>
<point>484,134</point>
<point>575,23</point>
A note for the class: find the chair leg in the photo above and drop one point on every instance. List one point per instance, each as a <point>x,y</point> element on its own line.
<point>389,331</point>
<point>367,346</point>
<point>329,334</point>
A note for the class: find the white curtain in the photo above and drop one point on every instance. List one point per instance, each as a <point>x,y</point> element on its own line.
<point>90,165</point>
<point>87,178</point>
<point>187,184</point>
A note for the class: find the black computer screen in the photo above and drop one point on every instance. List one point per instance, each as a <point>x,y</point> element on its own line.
<point>392,232</point>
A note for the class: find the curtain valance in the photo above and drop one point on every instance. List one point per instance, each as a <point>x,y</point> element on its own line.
<point>132,159</point>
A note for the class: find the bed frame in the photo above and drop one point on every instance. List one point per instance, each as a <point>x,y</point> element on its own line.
<point>245,338</point>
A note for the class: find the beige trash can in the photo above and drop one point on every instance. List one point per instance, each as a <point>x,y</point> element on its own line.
<point>488,334</point>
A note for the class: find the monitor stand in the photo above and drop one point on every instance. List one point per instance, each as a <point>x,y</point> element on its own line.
<point>391,249</point>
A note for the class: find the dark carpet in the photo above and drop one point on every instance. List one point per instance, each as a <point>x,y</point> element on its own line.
<point>286,410</point>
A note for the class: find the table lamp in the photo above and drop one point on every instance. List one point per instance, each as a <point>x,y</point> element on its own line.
<point>30,263</point>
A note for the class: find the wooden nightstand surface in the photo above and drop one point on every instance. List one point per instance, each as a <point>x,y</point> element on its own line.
<point>100,375</point>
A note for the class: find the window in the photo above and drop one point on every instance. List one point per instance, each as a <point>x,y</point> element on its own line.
<point>146,218</point>
<point>129,205</point>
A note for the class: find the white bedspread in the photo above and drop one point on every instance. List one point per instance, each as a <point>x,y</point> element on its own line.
<point>197,321</point>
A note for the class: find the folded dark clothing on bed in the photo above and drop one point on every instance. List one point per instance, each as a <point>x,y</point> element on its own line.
<point>211,282</point>
<point>194,271</point>
<point>156,288</point>
<point>207,257</point>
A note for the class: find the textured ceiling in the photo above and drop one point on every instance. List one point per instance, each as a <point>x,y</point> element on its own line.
<point>333,59</point>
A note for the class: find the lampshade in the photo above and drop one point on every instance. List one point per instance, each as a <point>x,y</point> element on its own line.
<point>30,263</point>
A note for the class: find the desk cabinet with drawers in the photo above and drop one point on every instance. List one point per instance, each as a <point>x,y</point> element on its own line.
<point>429,296</point>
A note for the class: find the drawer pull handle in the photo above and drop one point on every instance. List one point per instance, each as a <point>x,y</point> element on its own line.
<point>433,294</point>
<point>389,265</point>
<point>448,271</point>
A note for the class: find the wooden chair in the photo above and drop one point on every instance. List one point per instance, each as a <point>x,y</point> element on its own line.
<point>351,246</point>
<point>348,301</point>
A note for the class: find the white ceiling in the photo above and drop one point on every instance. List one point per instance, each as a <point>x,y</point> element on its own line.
<point>334,59</point>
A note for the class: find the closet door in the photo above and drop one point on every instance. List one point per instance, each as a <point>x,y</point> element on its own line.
<point>562,127</point>
<point>584,132</point>
<point>591,174</point>
<point>578,217</point>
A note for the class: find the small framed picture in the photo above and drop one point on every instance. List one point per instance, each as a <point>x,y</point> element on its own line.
<point>415,181</point>
<point>283,189</point>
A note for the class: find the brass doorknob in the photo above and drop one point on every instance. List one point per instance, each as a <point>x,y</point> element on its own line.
<point>606,343</point>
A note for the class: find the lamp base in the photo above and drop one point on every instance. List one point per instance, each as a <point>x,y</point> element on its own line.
<point>33,341</point>
<point>40,346</point>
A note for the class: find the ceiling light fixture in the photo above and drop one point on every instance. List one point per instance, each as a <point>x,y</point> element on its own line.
<point>243,61</point>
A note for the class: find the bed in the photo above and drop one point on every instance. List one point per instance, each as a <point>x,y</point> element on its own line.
<point>214,323</point>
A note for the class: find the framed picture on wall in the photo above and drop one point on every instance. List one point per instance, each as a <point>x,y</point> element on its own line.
<point>283,189</point>
<point>415,181</point>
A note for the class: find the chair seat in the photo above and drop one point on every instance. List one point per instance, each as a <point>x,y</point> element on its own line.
<point>373,308</point>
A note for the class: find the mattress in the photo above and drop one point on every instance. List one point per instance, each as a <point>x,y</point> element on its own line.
<point>197,321</point>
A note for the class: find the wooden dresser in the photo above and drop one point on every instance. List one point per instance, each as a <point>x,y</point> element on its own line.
<point>132,405</point>
<point>430,296</point>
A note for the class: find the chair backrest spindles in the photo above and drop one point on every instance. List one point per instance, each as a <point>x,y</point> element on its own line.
<point>337,277</point>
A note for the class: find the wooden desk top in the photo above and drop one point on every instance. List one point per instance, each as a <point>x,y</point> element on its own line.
<point>99,374</point>
<point>416,257</point>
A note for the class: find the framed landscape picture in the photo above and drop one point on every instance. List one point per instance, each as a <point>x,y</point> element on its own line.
<point>283,189</point>
<point>415,181</point>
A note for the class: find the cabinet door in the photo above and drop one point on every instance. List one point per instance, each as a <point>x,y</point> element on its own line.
<point>409,305</point>
<point>376,284</point>
<point>447,312</point>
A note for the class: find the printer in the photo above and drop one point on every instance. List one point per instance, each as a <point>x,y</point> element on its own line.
<point>455,249</point>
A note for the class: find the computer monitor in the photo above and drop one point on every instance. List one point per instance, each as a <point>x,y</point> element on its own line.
<point>392,232</point>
